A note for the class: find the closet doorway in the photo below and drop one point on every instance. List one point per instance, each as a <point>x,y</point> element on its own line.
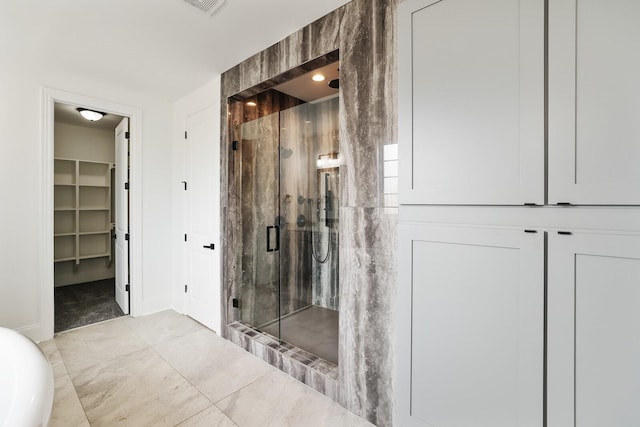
<point>90,216</point>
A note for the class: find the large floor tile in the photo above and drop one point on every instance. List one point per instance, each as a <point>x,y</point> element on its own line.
<point>85,347</point>
<point>67,410</point>
<point>215,366</point>
<point>138,389</point>
<point>210,417</point>
<point>165,325</point>
<point>50,349</point>
<point>278,400</point>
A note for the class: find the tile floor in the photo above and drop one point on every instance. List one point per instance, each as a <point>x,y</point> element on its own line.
<point>168,370</point>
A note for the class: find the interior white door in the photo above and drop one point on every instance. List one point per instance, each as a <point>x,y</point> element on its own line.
<point>593,323</point>
<point>594,99</point>
<point>122,215</point>
<point>471,349</point>
<point>203,225</point>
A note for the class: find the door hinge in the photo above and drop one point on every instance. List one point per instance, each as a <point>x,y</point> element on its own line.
<point>236,303</point>
<point>185,289</point>
<point>234,145</point>
<point>126,236</point>
<point>126,288</point>
<point>185,237</point>
<point>185,185</point>
<point>185,134</point>
<point>126,185</point>
<point>126,135</point>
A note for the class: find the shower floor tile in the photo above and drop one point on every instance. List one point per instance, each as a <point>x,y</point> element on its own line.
<point>314,329</point>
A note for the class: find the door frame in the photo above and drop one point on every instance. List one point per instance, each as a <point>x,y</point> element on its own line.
<point>49,97</point>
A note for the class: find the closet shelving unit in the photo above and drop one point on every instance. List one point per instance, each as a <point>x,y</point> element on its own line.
<point>82,210</point>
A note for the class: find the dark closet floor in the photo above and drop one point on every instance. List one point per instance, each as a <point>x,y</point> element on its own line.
<point>85,304</point>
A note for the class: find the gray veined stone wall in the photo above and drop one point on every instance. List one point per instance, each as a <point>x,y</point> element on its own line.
<point>364,33</point>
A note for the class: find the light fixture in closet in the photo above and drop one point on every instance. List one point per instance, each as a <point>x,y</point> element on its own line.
<point>91,115</point>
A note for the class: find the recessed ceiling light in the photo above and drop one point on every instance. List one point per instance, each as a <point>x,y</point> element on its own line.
<point>251,104</point>
<point>318,77</point>
<point>92,116</point>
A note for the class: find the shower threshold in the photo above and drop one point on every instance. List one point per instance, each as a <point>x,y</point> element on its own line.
<point>310,369</point>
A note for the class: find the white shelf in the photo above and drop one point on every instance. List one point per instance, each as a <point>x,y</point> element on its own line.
<point>82,209</point>
<point>88,233</point>
<point>91,256</point>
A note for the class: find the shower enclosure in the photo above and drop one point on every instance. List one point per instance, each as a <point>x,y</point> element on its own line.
<point>290,172</point>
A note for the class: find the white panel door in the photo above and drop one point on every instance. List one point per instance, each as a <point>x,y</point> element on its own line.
<point>471,340</point>
<point>594,102</point>
<point>471,102</point>
<point>203,225</point>
<point>594,330</point>
<point>122,216</point>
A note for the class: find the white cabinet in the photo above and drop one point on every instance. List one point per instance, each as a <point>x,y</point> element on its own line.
<point>593,330</point>
<point>594,102</point>
<point>471,110</point>
<point>82,210</point>
<point>470,350</point>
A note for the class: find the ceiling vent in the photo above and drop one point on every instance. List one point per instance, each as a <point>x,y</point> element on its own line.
<point>207,6</point>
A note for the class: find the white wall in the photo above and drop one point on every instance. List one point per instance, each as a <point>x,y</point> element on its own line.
<point>206,96</point>
<point>20,193</point>
<point>84,143</point>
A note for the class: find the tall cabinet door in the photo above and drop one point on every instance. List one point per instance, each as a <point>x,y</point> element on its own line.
<point>594,330</point>
<point>594,102</point>
<point>471,345</point>
<point>471,106</point>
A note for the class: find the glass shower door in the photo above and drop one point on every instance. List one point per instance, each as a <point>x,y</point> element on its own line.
<point>259,193</point>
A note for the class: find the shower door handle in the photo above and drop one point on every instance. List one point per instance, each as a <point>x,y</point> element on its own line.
<point>269,228</point>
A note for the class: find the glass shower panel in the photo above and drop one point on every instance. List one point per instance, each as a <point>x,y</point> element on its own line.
<point>260,216</point>
<point>309,182</point>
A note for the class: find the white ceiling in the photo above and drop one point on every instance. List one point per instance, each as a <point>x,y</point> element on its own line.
<point>163,47</point>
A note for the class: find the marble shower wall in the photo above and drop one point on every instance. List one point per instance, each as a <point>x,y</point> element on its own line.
<point>364,33</point>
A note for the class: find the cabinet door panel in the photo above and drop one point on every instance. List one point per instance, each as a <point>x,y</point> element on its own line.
<point>594,102</point>
<point>471,328</point>
<point>471,101</point>
<point>593,334</point>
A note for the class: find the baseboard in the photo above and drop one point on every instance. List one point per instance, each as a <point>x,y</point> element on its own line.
<point>32,332</point>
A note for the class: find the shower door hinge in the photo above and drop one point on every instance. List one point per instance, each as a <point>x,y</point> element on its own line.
<point>185,289</point>
<point>126,236</point>
<point>126,135</point>
<point>126,288</point>
<point>126,185</point>
<point>185,134</point>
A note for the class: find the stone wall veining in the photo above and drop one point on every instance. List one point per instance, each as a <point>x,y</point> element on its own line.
<point>364,33</point>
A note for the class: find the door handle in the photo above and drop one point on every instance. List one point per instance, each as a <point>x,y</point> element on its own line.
<point>269,227</point>
<point>210,246</point>
<point>269,248</point>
